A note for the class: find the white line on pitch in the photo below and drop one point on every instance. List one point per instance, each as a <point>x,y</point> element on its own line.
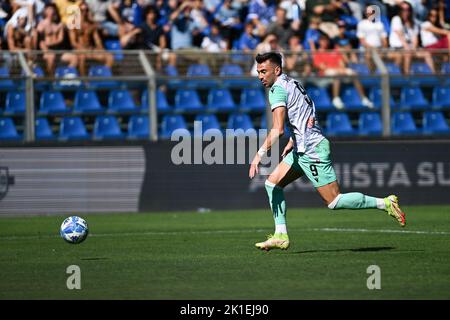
<point>378,231</point>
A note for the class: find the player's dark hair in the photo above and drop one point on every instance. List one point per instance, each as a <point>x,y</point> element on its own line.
<point>273,57</point>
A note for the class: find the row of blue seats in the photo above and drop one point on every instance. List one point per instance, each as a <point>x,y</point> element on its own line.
<point>219,100</point>
<point>73,128</point>
<point>87,101</point>
<point>108,127</point>
<point>67,75</point>
<point>411,98</point>
<point>420,74</point>
<point>402,123</point>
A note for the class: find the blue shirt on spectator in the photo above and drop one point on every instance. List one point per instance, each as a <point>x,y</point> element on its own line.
<point>311,34</point>
<point>264,11</point>
<point>181,33</point>
<point>247,41</point>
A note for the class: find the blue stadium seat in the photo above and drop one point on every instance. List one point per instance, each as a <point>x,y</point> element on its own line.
<point>206,124</point>
<point>370,124</point>
<point>6,84</point>
<point>172,71</point>
<point>68,74</point>
<point>121,101</point>
<point>320,97</point>
<point>43,129</point>
<point>434,123</point>
<point>411,98</point>
<point>138,127</point>
<point>396,76</point>
<point>114,45</point>
<point>8,130</point>
<point>72,128</point>
<point>351,98</point>
<point>15,102</point>
<point>187,100</point>
<point>220,100</point>
<point>445,68</point>
<point>230,70</point>
<point>441,98</point>
<point>375,95</point>
<point>39,73</point>
<point>338,124</point>
<point>196,70</point>
<point>107,127</point>
<point>86,101</point>
<point>252,100</point>
<point>52,102</point>
<point>362,69</point>
<point>161,102</point>
<point>170,123</point>
<point>238,121</point>
<point>101,71</point>
<point>422,75</point>
<point>403,124</point>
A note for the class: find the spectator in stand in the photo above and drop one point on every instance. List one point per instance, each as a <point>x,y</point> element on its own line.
<point>122,12</point>
<point>371,34</point>
<point>100,10</point>
<point>432,34</point>
<point>261,13</point>
<point>19,33</point>
<point>214,42</point>
<point>51,36</point>
<point>294,10</point>
<point>405,35</point>
<point>37,6</point>
<point>88,38</point>
<point>334,63</point>
<point>248,41</point>
<point>269,43</point>
<point>129,33</point>
<point>229,21</point>
<point>297,61</point>
<point>152,36</point>
<point>66,10</point>
<point>201,24</point>
<point>280,27</point>
<point>183,27</point>
<point>329,12</point>
<point>312,34</point>
<point>344,43</point>
<point>212,6</point>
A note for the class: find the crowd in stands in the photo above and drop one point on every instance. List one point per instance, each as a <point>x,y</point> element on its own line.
<point>294,26</point>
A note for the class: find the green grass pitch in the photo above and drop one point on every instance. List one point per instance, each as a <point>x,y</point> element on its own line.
<point>211,255</point>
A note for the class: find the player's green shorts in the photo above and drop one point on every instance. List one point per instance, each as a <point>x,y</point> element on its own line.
<point>317,166</point>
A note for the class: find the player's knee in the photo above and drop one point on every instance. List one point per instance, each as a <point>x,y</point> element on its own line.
<point>332,205</point>
<point>270,185</point>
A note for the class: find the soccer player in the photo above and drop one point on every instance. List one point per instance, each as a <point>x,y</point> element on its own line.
<point>307,152</point>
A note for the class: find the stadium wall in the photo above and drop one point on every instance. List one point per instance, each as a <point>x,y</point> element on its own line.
<point>142,177</point>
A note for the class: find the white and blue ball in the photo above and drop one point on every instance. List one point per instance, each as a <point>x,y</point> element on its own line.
<point>74,229</point>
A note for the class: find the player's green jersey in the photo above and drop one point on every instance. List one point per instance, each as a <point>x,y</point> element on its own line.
<point>302,121</point>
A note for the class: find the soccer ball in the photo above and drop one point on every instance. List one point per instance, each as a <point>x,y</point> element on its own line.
<point>74,229</point>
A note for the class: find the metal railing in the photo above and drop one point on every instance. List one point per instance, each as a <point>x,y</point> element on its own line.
<point>148,70</point>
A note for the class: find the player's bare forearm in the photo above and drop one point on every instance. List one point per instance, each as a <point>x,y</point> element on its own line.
<point>272,137</point>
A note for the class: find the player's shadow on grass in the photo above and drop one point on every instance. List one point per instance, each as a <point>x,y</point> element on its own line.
<point>366,249</point>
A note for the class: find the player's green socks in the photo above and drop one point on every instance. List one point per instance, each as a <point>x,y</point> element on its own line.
<point>278,206</point>
<point>356,200</point>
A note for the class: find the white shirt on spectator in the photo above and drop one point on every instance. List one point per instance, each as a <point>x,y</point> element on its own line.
<point>371,32</point>
<point>428,37</point>
<point>408,33</point>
